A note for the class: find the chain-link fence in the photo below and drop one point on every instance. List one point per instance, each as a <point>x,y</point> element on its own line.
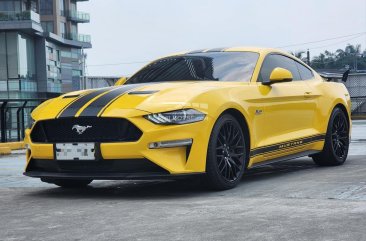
<point>356,85</point>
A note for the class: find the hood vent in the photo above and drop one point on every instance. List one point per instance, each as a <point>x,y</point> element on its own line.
<point>70,96</point>
<point>146,92</point>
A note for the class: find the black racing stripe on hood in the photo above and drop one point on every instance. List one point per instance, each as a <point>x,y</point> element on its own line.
<point>75,106</point>
<point>99,104</point>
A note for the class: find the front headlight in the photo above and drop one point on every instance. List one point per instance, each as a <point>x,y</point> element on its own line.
<point>176,117</point>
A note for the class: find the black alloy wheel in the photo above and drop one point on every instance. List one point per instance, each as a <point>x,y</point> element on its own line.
<point>340,136</point>
<point>337,140</point>
<point>226,154</point>
<point>230,151</point>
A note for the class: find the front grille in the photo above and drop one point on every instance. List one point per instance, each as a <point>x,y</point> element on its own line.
<point>98,130</point>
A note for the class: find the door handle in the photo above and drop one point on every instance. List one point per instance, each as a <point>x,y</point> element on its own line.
<point>307,94</point>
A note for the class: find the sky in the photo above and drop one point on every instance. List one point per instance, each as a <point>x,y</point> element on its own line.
<point>127,34</point>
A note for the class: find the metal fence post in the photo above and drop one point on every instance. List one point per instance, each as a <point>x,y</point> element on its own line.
<point>21,128</point>
<point>3,121</point>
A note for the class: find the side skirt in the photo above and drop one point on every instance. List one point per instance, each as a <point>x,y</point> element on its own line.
<point>285,158</point>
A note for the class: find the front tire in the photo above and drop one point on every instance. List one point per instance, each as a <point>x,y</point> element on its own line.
<point>68,183</point>
<point>226,154</point>
<point>336,141</point>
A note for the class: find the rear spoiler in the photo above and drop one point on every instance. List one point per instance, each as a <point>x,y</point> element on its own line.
<point>329,76</point>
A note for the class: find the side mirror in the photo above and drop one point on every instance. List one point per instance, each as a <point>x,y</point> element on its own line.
<point>279,75</point>
<point>121,81</point>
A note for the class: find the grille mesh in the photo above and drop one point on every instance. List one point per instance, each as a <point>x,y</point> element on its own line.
<point>99,130</point>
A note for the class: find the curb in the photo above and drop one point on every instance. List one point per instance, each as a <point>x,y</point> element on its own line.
<point>6,148</point>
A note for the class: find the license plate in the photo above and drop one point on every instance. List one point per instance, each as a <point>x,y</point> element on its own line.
<point>75,151</point>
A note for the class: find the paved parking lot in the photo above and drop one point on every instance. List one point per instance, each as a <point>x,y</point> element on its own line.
<point>293,200</point>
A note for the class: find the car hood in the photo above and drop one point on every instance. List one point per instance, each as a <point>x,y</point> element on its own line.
<point>116,101</point>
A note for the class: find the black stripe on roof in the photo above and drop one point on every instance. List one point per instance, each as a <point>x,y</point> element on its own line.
<point>216,50</point>
<point>196,51</point>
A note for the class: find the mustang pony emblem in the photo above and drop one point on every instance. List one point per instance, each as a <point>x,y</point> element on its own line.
<point>80,129</point>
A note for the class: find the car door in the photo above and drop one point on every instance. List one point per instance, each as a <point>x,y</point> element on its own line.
<point>289,108</point>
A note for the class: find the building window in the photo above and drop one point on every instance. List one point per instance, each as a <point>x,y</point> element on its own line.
<point>46,7</point>
<point>17,61</point>
<point>63,29</point>
<point>14,85</point>
<point>58,55</point>
<point>73,6</point>
<point>65,54</point>
<point>76,73</point>
<point>3,85</point>
<point>49,50</point>
<point>62,7</point>
<point>3,59</point>
<point>47,26</point>
<point>74,29</point>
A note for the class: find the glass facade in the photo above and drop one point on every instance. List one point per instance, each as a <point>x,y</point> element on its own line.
<point>17,64</point>
<point>63,68</point>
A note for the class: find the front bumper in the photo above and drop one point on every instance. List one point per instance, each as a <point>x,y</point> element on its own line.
<point>172,161</point>
<point>137,169</point>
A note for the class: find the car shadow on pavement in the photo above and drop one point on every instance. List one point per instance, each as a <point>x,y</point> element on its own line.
<point>169,188</point>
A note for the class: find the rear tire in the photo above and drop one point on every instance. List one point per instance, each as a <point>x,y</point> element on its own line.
<point>336,144</point>
<point>69,183</point>
<point>226,154</point>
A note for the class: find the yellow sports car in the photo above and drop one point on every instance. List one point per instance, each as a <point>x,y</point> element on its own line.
<point>213,112</point>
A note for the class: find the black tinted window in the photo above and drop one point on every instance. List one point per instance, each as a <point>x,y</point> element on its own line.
<point>305,73</point>
<point>273,61</point>
<point>220,66</point>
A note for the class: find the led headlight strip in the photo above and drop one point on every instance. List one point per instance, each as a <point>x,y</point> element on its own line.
<point>176,117</point>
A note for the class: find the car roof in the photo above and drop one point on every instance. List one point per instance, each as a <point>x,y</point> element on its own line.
<point>260,50</point>
<point>233,49</point>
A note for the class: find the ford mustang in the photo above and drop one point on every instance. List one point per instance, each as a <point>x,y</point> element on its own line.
<point>214,113</point>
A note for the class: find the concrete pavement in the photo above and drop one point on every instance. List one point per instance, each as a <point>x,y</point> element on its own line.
<point>293,200</point>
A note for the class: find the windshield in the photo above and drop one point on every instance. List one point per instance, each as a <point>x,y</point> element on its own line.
<point>219,66</point>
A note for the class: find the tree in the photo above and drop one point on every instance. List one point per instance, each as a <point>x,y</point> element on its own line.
<point>300,55</point>
<point>351,55</point>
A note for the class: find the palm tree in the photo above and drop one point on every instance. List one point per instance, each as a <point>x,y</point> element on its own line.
<point>299,55</point>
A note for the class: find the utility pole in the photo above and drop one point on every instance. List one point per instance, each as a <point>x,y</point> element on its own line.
<point>308,57</point>
<point>356,63</point>
<point>83,77</point>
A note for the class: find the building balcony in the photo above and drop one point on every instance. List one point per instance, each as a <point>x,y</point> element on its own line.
<point>78,37</point>
<point>76,16</point>
<point>26,21</point>
<point>75,40</point>
<point>20,16</point>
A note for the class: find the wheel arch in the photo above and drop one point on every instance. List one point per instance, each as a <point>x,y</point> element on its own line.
<point>345,111</point>
<point>328,109</point>
<point>238,115</point>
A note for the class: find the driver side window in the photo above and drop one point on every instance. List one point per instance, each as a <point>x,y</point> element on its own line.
<point>275,60</point>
